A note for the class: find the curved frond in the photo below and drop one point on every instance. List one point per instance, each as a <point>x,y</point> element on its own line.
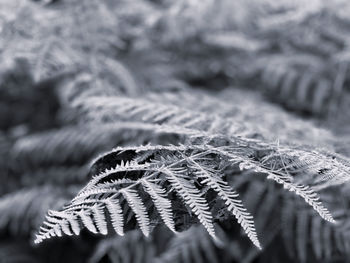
<point>184,169</point>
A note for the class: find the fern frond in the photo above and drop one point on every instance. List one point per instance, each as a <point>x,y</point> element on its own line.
<point>304,191</point>
<point>191,196</point>
<point>233,203</point>
<point>197,203</point>
<point>139,209</point>
<point>85,216</point>
<point>122,167</point>
<point>219,137</point>
<point>116,213</point>
<point>100,219</point>
<point>181,168</point>
<point>161,202</point>
<point>331,170</point>
<point>102,109</point>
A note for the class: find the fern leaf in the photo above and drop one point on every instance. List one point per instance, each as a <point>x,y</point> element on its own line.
<point>234,205</point>
<point>87,221</point>
<point>116,213</point>
<point>160,200</point>
<point>73,221</point>
<point>189,170</point>
<point>123,167</point>
<point>100,219</point>
<point>192,197</point>
<point>139,209</point>
<point>307,194</point>
<point>58,222</point>
<point>303,191</point>
<point>93,191</point>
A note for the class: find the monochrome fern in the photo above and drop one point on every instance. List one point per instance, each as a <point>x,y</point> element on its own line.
<point>178,167</point>
<point>147,130</point>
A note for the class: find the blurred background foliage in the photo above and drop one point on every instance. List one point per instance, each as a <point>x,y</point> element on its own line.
<point>282,66</point>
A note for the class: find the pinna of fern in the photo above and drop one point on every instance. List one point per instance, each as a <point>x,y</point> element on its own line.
<point>156,171</point>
